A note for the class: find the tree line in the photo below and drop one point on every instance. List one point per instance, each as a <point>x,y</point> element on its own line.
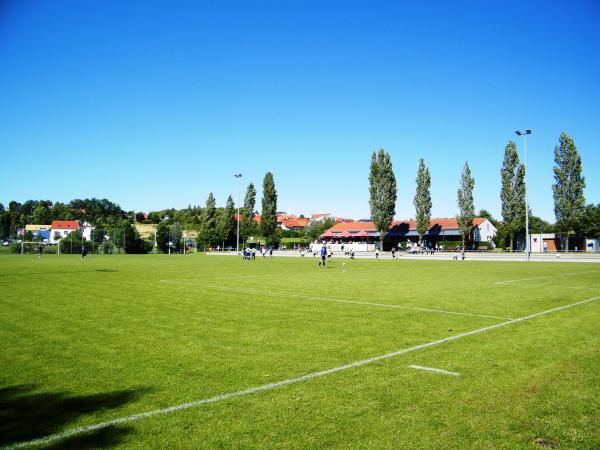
<point>218,225</point>
<point>115,231</point>
<point>571,212</point>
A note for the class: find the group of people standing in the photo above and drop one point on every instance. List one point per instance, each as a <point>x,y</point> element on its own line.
<point>250,253</point>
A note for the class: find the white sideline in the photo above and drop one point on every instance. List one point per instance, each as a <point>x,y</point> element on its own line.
<point>329,299</point>
<point>265,387</point>
<point>583,288</point>
<point>544,278</point>
<point>431,369</point>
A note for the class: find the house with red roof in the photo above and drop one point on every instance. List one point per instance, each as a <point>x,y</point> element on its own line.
<point>256,217</point>
<point>62,228</point>
<point>294,224</point>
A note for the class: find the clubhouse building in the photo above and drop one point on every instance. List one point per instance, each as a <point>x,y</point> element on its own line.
<point>440,231</point>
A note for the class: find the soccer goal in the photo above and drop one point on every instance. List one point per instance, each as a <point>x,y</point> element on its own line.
<point>32,247</point>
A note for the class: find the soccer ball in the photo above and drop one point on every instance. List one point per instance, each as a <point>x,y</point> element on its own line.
<point>343,264</point>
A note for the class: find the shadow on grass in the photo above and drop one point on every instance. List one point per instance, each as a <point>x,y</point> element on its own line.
<point>26,415</point>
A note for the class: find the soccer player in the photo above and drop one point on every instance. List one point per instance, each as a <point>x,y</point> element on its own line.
<point>323,256</point>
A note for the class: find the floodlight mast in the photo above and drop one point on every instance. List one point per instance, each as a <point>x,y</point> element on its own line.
<point>527,243</point>
<point>237,245</point>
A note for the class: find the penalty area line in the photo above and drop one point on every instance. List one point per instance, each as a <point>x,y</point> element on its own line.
<point>265,387</point>
<point>431,369</point>
<point>330,299</point>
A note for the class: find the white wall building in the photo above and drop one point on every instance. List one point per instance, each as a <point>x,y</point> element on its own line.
<point>62,228</point>
<point>484,230</point>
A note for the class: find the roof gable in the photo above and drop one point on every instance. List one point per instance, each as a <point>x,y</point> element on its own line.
<point>65,225</point>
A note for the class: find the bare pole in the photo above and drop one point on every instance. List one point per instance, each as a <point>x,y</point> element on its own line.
<point>527,239</point>
<point>237,245</point>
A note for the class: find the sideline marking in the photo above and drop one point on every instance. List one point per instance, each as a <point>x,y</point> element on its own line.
<point>329,299</point>
<point>431,369</point>
<point>544,278</point>
<point>562,287</point>
<point>266,387</point>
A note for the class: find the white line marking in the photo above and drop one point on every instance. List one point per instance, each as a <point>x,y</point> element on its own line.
<point>329,299</point>
<point>266,387</point>
<point>583,288</point>
<point>545,278</point>
<point>431,369</point>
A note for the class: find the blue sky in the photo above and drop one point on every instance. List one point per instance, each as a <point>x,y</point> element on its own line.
<point>155,104</point>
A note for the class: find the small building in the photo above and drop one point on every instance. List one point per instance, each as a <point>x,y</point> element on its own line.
<point>293,224</point>
<point>39,231</point>
<point>543,242</point>
<point>86,231</point>
<point>592,245</point>
<point>62,228</point>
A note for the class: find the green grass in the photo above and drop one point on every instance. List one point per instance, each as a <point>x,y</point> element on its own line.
<point>88,341</point>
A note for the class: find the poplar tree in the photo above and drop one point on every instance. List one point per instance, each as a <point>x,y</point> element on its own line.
<point>568,186</point>
<point>382,190</point>
<point>162,237</point>
<point>512,193</point>
<point>466,208</point>
<point>422,200</point>
<point>225,221</point>
<point>248,224</point>
<point>176,235</point>
<point>268,221</point>
<point>207,232</point>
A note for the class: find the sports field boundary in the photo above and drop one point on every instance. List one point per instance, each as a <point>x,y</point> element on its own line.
<point>448,256</point>
<point>504,282</point>
<point>265,387</point>
<point>329,299</point>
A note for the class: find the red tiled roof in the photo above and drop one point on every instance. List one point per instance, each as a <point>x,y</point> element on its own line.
<point>478,221</point>
<point>297,223</point>
<point>256,218</point>
<point>342,220</point>
<point>319,215</point>
<point>285,217</point>
<point>444,223</point>
<point>65,225</point>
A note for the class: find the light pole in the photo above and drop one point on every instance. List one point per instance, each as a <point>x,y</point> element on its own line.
<point>237,245</point>
<point>527,244</point>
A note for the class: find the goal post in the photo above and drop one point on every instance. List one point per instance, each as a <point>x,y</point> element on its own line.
<point>32,247</point>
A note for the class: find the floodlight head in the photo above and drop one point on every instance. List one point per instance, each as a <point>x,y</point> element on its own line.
<point>521,133</point>
<point>238,175</point>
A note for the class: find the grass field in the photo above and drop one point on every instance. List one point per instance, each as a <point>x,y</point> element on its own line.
<point>102,340</point>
